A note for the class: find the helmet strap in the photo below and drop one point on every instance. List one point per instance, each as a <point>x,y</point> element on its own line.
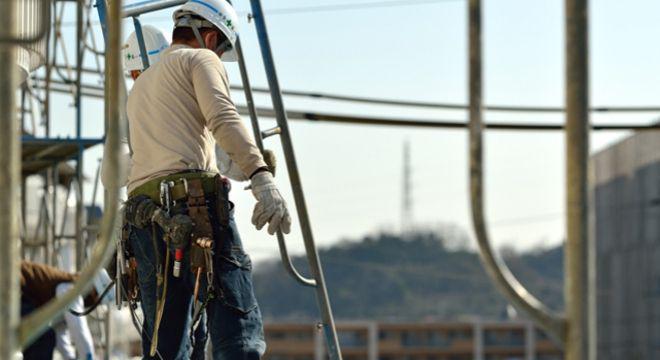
<point>188,21</point>
<point>198,35</point>
<point>225,46</point>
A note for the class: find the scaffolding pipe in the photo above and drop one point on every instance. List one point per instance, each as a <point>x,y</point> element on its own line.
<point>322,298</point>
<point>80,239</point>
<point>500,274</point>
<point>144,7</point>
<point>144,55</point>
<point>34,324</point>
<point>55,173</point>
<point>258,138</point>
<point>579,286</point>
<point>10,179</point>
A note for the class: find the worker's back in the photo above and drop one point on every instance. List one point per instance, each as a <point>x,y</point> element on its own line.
<point>167,126</point>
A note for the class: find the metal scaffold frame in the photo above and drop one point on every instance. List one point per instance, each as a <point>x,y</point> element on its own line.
<point>37,152</point>
<point>44,155</point>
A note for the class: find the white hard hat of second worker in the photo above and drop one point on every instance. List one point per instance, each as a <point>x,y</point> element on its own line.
<point>154,43</point>
<point>216,13</point>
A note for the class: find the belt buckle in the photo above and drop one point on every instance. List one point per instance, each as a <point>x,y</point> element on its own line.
<point>184,181</point>
<point>175,183</point>
<point>166,194</point>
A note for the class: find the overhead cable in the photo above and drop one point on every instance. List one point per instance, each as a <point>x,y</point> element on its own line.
<point>321,8</point>
<point>446,124</point>
<point>446,106</point>
<point>382,121</point>
<point>352,6</point>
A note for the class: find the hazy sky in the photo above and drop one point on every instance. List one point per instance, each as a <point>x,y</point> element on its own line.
<point>352,175</point>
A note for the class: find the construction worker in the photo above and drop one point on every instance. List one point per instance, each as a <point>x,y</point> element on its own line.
<point>41,283</point>
<point>155,43</point>
<point>181,225</point>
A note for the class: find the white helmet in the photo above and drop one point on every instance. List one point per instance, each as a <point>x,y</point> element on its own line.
<point>217,13</point>
<point>154,43</point>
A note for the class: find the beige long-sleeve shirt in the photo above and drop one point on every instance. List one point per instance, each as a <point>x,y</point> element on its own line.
<point>177,109</point>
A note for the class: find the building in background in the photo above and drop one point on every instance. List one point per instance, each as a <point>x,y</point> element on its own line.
<point>414,341</point>
<point>626,184</point>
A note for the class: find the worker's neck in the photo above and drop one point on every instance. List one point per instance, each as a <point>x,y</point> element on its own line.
<point>192,44</point>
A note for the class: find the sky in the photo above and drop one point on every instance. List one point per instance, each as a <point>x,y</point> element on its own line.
<point>352,175</point>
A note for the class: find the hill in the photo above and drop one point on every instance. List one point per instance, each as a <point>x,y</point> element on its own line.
<point>386,277</point>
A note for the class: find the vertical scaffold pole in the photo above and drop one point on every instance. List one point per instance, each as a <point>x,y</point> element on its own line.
<point>323,300</point>
<point>500,274</point>
<point>80,50</point>
<point>579,284</point>
<point>9,183</point>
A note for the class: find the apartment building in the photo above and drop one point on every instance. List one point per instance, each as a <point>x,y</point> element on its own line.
<point>626,205</point>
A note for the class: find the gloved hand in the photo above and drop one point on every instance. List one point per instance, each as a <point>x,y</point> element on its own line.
<point>270,207</point>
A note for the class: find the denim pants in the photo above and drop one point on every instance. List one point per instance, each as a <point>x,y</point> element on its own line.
<point>233,317</point>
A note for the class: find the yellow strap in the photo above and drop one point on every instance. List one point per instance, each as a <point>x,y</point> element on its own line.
<point>160,305</point>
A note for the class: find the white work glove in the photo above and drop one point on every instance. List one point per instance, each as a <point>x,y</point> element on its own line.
<point>270,207</point>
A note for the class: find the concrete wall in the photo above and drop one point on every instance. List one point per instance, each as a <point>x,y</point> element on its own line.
<point>626,183</point>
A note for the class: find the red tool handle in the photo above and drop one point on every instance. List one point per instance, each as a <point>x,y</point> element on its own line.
<point>178,256</point>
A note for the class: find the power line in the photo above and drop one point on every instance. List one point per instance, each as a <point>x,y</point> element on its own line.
<point>446,124</point>
<point>318,8</point>
<point>353,6</point>
<point>96,92</point>
<point>445,106</point>
<point>422,104</point>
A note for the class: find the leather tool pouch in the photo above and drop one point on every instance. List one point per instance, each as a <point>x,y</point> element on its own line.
<point>199,213</point>
<point>222,201</point>
<point>129,281</point>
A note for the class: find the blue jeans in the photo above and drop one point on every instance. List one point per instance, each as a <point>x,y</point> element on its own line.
<point>234,319</point>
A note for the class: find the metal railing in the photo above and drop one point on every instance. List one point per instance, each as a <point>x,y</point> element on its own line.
<point>576,329</point>
<point>311,251</point>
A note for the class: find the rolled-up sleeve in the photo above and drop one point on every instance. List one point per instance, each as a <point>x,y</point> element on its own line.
<point>211,86</point>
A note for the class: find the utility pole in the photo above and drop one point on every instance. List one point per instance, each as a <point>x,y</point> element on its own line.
<point>579,265</point>
<point>9,182</point>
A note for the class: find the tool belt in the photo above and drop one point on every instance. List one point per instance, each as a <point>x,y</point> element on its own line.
<point>202,195</point>
<point>197,190</point>
<point>179,191</point>
<point>193,187</point>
